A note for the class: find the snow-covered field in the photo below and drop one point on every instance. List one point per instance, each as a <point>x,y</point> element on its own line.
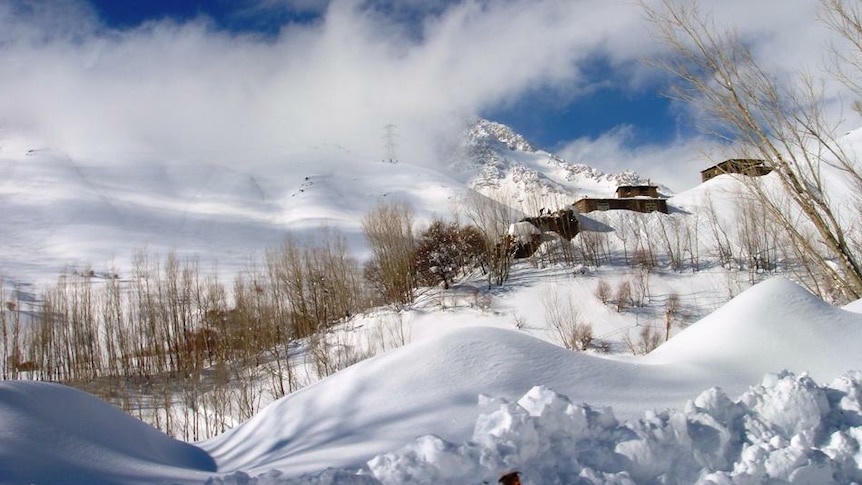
<point>757,391</point>
<point>764,388</point>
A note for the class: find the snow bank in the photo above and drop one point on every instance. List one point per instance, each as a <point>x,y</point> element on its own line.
<point>853,306</point>
<point>787,429</point>
<point>774,325</point>
<point>429,387</point>
<point>51,433</point>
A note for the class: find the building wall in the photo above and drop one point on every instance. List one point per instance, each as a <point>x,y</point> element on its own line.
<point>626,191</point>
<point>750,167</point>
<point>637,204</point>
<point>563,223</point>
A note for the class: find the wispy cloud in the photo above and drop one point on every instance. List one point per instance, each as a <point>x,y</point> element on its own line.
<point>191,90</point>
<point>180,89</point>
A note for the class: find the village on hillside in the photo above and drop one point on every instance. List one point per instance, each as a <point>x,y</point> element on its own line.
<point>530,232</point>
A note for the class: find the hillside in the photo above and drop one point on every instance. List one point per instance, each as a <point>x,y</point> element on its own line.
<point>390,394</point>
<point>386,402</point>
<point>98,213</point>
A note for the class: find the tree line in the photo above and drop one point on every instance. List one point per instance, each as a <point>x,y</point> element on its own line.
<point>192,354</point>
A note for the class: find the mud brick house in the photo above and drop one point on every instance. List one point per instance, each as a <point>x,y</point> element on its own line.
<point>563,222</point>
<point>639,198</point>
<point>530,232</point>
<point>746,166</point>
<point>627,191</point>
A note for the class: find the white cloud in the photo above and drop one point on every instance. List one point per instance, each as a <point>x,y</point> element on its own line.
<point>182,90</point>
<point>191,91</point>
<point>676,164</point>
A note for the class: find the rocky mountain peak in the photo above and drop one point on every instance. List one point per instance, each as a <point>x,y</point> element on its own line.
<point>491,132</point>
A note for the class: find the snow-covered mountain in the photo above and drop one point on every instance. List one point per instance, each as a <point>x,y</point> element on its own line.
<point>501,164</point>
<point>482,386</point>
<point>63,211</point>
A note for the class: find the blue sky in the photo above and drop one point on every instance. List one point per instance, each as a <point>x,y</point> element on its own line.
<point>237,16</point>
<point>108,79</point>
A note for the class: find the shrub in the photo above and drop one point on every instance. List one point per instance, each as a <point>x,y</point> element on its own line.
<point>603,291</point>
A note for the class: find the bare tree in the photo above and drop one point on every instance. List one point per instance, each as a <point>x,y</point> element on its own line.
<point>443,250</point>
<point>671,308</point>
<point>388,229</point>
<point>783,123</point>
<point>492,219</point>
<point>721,238</point>
<point>8,363</point>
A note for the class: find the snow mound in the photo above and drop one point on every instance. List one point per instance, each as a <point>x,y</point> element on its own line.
<point>51,432</point>
<point>427,387</point>
<point>853,306</point>
<point>787,429</point>
<point>776,321</point>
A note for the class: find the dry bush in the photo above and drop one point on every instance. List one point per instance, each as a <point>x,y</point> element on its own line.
<point>648,340</point>
<point>582,335</point>
<point>603,291</point>
<point>519,321</point>
<point>563,317</point>
<point>624,296</point>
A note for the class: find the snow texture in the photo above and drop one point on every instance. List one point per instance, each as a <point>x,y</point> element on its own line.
<point>410,415</point>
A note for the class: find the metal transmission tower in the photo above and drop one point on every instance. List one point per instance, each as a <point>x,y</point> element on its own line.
<point>389,137</point>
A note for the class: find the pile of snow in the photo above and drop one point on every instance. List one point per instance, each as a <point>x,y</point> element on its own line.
<point>787,429</point>
<point>854,306</point>
<point>51,433</point>
<point>429,387</point>
<point>775,324</point>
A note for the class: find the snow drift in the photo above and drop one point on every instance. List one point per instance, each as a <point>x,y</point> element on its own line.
<point>775,324</point>
<point>430,387</point>
<point>787,428</point>
<point>51,433</point>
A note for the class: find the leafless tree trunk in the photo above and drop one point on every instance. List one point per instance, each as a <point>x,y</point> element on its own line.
<point>671,308</point>
<point>492,219</point>
<point>782,123</point>
<point>389,231</point>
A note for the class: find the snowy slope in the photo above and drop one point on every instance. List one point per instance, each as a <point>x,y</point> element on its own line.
<point>431,387</point>
<point>775,321</point>
<point>51,433</point>
<point>61,211</point>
